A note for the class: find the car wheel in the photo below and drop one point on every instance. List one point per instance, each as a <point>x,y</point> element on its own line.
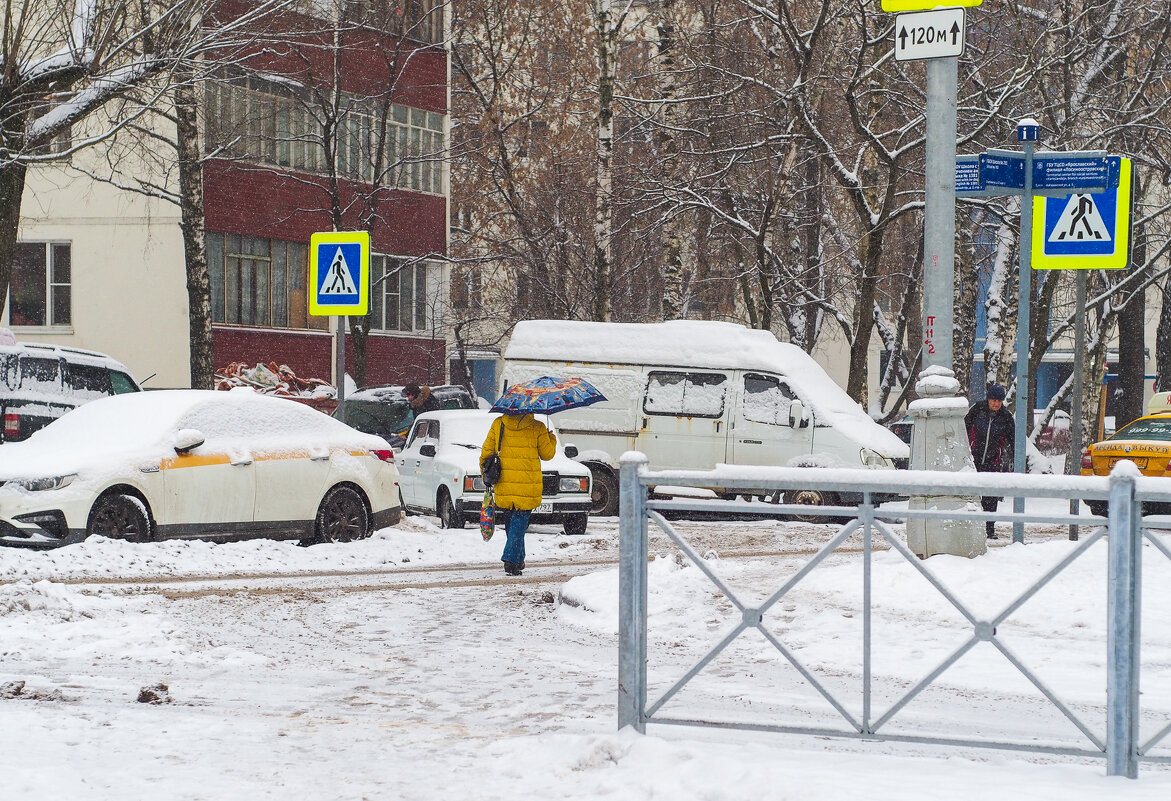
<point>575,525</point>
<point>810,497</point>
<point>118,516</point>
<point>448,516</point>
<point>342,516</point>
<point>603,492</point>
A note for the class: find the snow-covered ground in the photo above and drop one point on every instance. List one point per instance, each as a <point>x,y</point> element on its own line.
<point>408,666</point>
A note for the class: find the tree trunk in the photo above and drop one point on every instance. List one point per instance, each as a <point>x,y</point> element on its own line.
<point>1132,360</point>
<point>1163,343</point>
<point>194,234</point>
<point>871,247</point>
<point>671,238</point>
<point>604,199</point>
<point>11,189</point>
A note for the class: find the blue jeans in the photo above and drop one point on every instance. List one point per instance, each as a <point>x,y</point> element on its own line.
<point>514,547</point>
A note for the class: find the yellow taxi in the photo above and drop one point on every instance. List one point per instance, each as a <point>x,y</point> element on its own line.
<point>1146,442</point>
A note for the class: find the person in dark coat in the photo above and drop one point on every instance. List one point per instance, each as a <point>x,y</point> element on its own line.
<point>991,434</point>
<point>421,399</point>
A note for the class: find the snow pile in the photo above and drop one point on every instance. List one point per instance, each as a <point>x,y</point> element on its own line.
<point>44,597</point>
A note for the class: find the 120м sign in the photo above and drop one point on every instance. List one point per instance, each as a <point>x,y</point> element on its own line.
<point>929,34</point>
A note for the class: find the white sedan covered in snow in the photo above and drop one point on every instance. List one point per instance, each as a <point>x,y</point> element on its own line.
<point>196,464</point>
<point>439,471</point>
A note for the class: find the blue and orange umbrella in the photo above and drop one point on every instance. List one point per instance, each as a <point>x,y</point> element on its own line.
<point>547,395</point>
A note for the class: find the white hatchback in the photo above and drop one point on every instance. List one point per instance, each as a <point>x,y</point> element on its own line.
<point>439,472</point>
<point>196,464</point>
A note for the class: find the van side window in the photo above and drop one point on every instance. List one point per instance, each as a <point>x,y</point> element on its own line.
<point>766,399</point>
<point>40,374</point>
<point>685,394</point>
<point>122,383</point>
<point>88,381</point>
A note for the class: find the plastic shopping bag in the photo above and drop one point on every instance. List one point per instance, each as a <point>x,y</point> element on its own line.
<point>488,516</point>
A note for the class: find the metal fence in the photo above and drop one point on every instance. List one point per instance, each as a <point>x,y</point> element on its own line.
<point>1125,491</point>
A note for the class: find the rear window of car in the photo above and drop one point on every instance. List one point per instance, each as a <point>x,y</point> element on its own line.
<point>1159,430</point>
<point>376,417</point>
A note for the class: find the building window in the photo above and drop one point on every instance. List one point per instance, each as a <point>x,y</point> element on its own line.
<point>41,291</point>
<point>421,20</point>
<point>261,282</point>
<point>256,120</point>
<point>403,293</point>
<point>466,289</point>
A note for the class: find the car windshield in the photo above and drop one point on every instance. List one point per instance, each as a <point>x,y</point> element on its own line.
<point>1159,430</point>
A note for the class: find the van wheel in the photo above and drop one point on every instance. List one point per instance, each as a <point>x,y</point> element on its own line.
<point>604,492</point>
<point>810,497</point>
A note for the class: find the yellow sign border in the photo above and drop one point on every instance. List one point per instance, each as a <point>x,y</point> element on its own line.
<point>896,6</point>
<point>360,238</point>
<point>1106,261</point>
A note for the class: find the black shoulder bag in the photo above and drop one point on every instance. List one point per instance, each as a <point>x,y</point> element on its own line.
<point>493,467</point>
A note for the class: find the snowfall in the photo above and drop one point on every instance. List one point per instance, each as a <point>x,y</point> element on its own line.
<point>408,666</point>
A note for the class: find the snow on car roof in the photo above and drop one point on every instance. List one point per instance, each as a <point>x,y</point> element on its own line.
<point>133,422</point>
<point>700,344</point>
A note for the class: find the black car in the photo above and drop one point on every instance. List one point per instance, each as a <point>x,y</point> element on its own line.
<point>385,410</point>
<point>39,383</point>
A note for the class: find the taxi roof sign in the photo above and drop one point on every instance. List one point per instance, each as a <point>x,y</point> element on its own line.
<point>925,5</point>
<point>339,273</point>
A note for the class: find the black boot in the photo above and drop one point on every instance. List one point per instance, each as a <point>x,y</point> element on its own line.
<point>512,568</point>
<point>990,527</point>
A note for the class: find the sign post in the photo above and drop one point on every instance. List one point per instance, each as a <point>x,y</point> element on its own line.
<point>339,285</point>
<point>1041,179</point>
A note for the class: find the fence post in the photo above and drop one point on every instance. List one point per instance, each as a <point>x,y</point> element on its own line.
<point>632,556</point>
<point>1122,657</point>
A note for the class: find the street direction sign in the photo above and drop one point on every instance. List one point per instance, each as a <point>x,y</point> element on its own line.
<point>923,5</point>
<point>1085,170</point>
<point>929,34</point>
<point>1002,168</point>
<point>1086,231</point>
<point>339,273</point>
<point>968,174</point>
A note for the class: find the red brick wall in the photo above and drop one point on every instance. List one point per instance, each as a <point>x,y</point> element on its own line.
<point>255,201</point>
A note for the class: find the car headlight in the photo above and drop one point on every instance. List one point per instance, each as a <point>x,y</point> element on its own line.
<point>474,484</point>
<point>874,459</point>
<point>48,483</point>
<point>574,484</point>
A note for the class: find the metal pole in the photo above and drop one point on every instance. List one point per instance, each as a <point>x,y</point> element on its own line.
<point>1024,303</point>
<point>632,555</point>
<point>341,367</point>
<point>1122,648</point>
<point>939,215</point>
<point>1073,462</point>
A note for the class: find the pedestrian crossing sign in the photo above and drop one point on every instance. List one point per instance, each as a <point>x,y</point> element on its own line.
<point>1084,232</point>
<point>339,273</point>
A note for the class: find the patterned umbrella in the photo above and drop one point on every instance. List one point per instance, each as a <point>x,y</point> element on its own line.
<point>547,395</point>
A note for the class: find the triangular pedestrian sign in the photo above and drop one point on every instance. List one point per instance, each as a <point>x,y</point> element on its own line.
<point>339,280</point>
<point>1080,222</point>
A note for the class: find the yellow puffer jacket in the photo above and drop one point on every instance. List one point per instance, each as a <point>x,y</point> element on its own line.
<point>526,442</point>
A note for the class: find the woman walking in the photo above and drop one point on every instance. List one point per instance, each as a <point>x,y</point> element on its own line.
<point>522,442</point>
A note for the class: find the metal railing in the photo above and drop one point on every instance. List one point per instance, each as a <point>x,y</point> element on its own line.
<point>1125,490</point>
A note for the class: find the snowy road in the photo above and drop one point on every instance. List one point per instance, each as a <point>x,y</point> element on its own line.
<point>409,667</point>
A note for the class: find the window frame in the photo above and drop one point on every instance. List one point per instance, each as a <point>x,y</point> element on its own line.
<point>55,287</point>
<point>686,375</point>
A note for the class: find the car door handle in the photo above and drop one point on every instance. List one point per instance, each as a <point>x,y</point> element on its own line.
<point>751,442</point>
<point>319,456</point>
<point>243,461</point>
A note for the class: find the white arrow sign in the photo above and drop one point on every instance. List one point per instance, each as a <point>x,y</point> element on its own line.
<point>929,34</point>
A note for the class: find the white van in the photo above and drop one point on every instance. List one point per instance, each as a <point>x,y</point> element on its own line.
<point>693,394</point>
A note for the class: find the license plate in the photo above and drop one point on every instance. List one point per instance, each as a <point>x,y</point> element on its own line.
<point>545,508</point>
<point>1139,461</point>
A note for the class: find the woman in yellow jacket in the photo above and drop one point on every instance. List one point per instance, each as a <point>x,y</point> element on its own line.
<point>523,443</point>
